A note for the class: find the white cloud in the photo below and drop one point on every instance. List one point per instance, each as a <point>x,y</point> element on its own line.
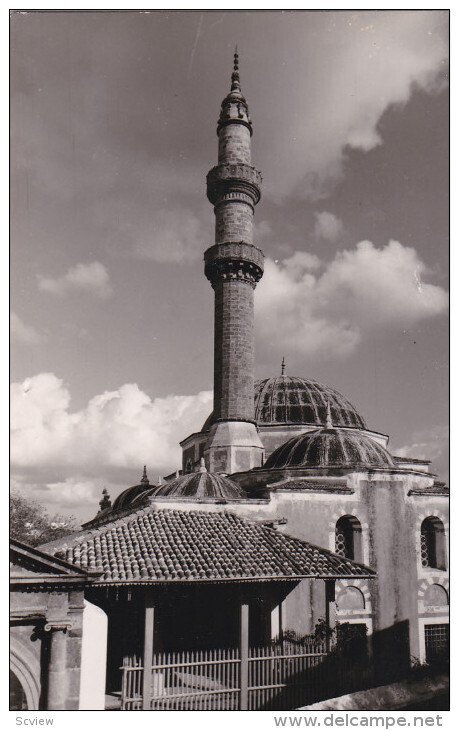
<point>24,333</point>
<point>328,226</point>
<point>92,278</point>
<point>62,495</point>
<point>326,308</point>
<point>261,230</point>
<point>172,235</point>
<point>118,430</point>
<point>355,67</point>
<point>426,444</point>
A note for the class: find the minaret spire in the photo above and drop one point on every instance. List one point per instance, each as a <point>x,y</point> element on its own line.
<point>145,480</point>
<point>235,80</point>
<point>234,110</point>
<point>283,366</point>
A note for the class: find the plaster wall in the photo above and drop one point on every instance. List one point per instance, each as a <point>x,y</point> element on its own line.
<point>93,658</point>
<point>390,518</point>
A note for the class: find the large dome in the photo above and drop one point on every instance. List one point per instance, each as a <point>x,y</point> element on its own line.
<point>286,399</point>
<point>289,400</point>
<point>330,447</point>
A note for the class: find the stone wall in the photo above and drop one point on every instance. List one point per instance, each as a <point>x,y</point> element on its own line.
<point>234,144</point>
<point>46,635</point>
<point>234,222</point>
<point>234,350</point>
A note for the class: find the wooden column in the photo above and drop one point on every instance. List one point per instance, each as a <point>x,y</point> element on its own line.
<point>149,624</point>
<point>244,655</point>
<point>329,616</point>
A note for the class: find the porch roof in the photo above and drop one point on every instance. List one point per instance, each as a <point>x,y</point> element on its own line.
<point>174,546</point>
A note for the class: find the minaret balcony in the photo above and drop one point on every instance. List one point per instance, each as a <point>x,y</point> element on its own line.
<point>228,178</point>
<point>240,261</point>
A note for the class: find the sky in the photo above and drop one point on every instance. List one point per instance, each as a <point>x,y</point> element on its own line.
<point>113,126</point>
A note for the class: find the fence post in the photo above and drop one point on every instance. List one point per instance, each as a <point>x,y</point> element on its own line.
<point>329,598</point>
<point>148,650</point>
<point>244,656</point>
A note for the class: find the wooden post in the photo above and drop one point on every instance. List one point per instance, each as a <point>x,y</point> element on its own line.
<point>329,598</point>
<point>149,624</point>
<point>244,655</point>
<point>281,623</point>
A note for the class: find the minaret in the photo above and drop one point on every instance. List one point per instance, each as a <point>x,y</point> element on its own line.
<point>234,266</point>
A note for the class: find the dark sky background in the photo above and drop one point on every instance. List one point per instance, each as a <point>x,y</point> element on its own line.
<point>113,131</point>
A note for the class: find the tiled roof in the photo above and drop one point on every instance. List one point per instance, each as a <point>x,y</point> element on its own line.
<point>165,545</point>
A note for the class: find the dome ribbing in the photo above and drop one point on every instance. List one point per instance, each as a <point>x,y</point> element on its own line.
<point>198,485</point>
<point>290,400</point>
<point>330,447</point>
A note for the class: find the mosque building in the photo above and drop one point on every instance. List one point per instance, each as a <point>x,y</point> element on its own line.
<point>285,481</point>
<point>289,448</point>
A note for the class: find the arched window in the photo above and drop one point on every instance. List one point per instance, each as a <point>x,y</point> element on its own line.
<point>435,595</point>
<point>348,538</point>
<point>433,543</point>
<point>351,599</point>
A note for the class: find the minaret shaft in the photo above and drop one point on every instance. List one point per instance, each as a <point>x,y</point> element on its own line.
<point>234,266</point>
<point>234,352</point>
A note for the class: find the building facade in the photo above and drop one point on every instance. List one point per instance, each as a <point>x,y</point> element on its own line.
<point>46,629</point>
<point>301,452</point>
<point>293,459</point>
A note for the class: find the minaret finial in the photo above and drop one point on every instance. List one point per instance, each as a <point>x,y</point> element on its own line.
<point>235,80</point>
<point>283,366</point>
<point>328,423</point>
<point>145,479</point>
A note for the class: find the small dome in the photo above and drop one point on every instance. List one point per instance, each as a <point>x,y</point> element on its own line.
<point>330,447</point>
<point>124,500</point>
<point>289,400</point>
<point>198,485</point>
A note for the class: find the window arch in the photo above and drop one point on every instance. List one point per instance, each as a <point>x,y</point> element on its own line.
<point>435,595</point>
<point>348,538</point>
<point>433,543</point>
<point>351,598</point>
<point>23,665</point>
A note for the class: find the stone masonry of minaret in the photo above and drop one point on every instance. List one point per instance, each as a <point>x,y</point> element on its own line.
<point>234,266</point>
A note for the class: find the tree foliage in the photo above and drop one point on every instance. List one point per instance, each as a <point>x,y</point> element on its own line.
<point>31,523</point>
